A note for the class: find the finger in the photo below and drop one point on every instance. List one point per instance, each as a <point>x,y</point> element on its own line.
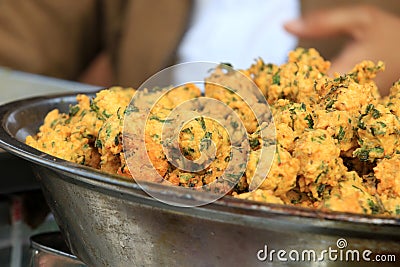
<point>351,56</point>
<point>323,23</point>
<point>345,61</point>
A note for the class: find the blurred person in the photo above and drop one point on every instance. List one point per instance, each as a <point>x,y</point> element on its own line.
<point>372,34</point>
<point>125,42</point>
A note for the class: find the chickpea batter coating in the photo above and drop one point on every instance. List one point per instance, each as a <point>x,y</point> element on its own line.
<point>334,145</point>
<point>386,173</point>
<point>293,80</point>
<point>282,175</point>
<point>350,195</point>
<point>339,124</point>
<point>320,164</point>
<point>57,138</point>
<point>261,196</point>
<point>297,116</point>
<point>393,101</point>
<point>224,86</point>
<point>378,132</point>
<point>203,142</point>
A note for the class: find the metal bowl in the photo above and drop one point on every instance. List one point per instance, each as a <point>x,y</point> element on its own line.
<point>50,250</point>
<point>109,221</point>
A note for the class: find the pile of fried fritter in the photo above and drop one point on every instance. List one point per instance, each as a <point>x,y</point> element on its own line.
<point>336,145</point>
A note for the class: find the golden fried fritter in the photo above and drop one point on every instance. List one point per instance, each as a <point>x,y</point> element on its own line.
<point>378,133</point>
<point>350,195</point>
<point>327,143</point>
<point>261,195</point>
<point>293,80</point>
<point>282,175</point>
<point>320,164</point>
<point>59,137</point>
<point>339,124</point>
<point>388,176</point>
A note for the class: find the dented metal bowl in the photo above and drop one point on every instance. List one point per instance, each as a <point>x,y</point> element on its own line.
<point>109,221</point>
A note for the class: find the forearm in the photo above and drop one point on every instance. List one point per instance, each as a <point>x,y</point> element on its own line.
<point>54,38</point>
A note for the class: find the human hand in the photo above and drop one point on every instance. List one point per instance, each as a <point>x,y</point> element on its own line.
<point>374,33</point>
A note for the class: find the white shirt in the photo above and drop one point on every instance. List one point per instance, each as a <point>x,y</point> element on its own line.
<point>239,31</point>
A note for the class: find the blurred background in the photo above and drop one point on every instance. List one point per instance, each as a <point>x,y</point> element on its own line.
<point>23,210</point>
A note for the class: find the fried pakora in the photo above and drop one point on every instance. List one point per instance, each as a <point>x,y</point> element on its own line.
<point>333,146</point>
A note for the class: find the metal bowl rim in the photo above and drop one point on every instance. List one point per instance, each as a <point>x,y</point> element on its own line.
<point>83,174</point>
